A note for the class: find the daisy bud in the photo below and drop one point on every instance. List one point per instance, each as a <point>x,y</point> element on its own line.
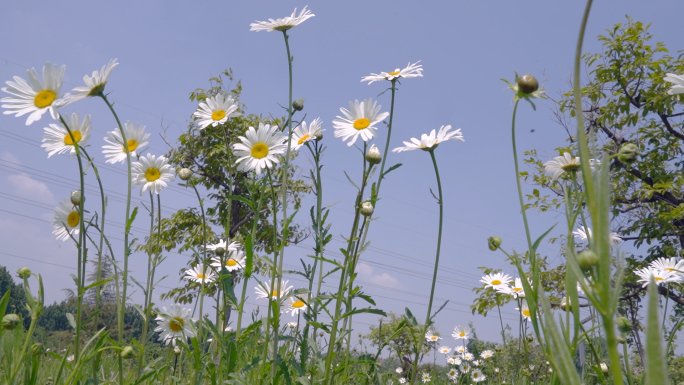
<point>321,334</point>
<point>127,352</point>
<point>587,259</point>
<point>37,349</point>
<point>604,367</point>
<point>367,208</point>
<point>76,197</point>
<point>528,84</point>
<point>185,173</point>
<point>373,155</point>
<point>565,303</point>
<point>530,338</point>
<point>318,135</point>
<point>24,272</point>
<point>10,321</point>
<point>494,243</point>
<point>498,348</point>
<point>624,325</point>
<point>259,342</point>
<point>621,339</point>
<point>298,104</point>
<point>177,350</point>
<point>628,153</point>
<point>220,251</point>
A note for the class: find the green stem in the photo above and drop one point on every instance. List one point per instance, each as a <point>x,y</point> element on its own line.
<point>204,269</point>
<point>387,142</point>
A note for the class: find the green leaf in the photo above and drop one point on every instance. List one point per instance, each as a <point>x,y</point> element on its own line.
<point>656,370</point>
<point>351,181</point>
<point>363,310</point>
<point>396,166</point>
<point>131,219</point>
<point>72,320</point>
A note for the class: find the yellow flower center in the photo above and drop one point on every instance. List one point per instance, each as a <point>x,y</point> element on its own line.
<point>67,138</point>
<point>298,304</point>
<point>44,98</point>
<point>259,150</point>
<point>200,276</point>
<point>461,334</point>
<point>394,73</point>
<point>231,263</point>
<point>72,219</point>
<point>496,282</point>
<point>218,115</point>
<point>303,139</point>
<point>670,269</point>
<point>526,313</point>
<point>152,174</point>
<point>176,324</point>
<point>275,293</point>
<point>433,338</point>
<point>132,145</point>
<point>475,374</point>
<point>658,278</point>
<point>362,123</point>
<point>517,289</point>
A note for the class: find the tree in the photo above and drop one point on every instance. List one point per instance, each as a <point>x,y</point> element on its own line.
<point>401,344</point>
<point>16,301</point>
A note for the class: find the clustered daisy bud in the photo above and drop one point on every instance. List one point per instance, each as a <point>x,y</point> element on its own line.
<point>494,243</point>
<point>127,352</point>
<point>367,208</point>
<point>10,321</point>
<point>373,155</point>
<point>298,104</point>
<point>76,197</point>
<point>624,325</point>
<point>24,272</point>
<point>185,173</point>
<point>628,153</point>
<point>587,259</point>
<point>177,350</point>
<point>528,84</point>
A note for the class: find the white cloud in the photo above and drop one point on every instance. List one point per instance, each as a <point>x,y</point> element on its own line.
<point>365,271</point>
<point>9,157</point>
<point>29,188</point>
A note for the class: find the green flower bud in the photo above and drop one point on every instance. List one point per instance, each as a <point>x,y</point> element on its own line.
<point>24,272</point>
<point>37,349</point>
<point>127,352</point>
<point>185,173</point>
<point>525,372</point>
<point>259,342</point>
<point>628,153</point>
<point>10,321</point>
<point>624,325</point>
<point>367,208</point>
<point>177,350</point>
<point>565,304</point>
<point>528,84</point>
<point>494,243</point>
<point>220,251</point>
<point>620,339</point>
<point>587,259</point>
<point>373,155</point>
<point>318,135</point>
<point>530,338</point>
<point>76,198</point>
<point>298,104</point>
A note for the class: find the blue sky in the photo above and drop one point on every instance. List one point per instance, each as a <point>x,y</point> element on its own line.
<point>168,49</point>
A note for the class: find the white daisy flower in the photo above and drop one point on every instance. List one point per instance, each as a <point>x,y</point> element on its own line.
<point>461,349</point>
<point>426,377</point>
<point>525,311</point>
<point>263,290</point>
<point>431,337</point>
<point>678,81</point>
<point>402,380</point>
<point>235,261</point>
<point>477,376</point>
<point>659,276</point>
<point>669,264</point>
<point>496,280</point>
<point>516,290</point>
<point>562,164</point>
<point>452,374</point>
<point>70,358</point>
<point>584,233</point>
<point>216,110</point>
<point>444,350</point>
<point>36,97</point>
<point>259,148</point>
<point>399,370</point>
<point>431,141</point>
<point>454,360</point>
<point>174,323</point>
<point>303,134</point>
<point>477,362</point>
<point>66,221</point>
<point>136,139</point>
<point>57,139</point>
<point>461,332</point>
<point>465,367</point>
<point>468,356</point>
<point>282,24</point>
<point>294,306</point>
<point>411,71</point>
<point>359,120</point>
<point>486,354</point>
<point>200,274</point>
<point>152,172</point>
<point>95,84</point>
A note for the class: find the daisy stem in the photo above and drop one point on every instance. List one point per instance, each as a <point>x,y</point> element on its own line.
<point>204,271</point>
<point>517,181</point>
<point>387,142</point>
<point>503,332</point>
<point>276,280</point>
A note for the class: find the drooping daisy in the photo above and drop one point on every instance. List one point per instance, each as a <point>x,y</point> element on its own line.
<point>263,290</point>
<point>431,337</point>
<point>259,148</point>
<point>477,376</point>
<point>96,83</point>
<point>496,280</point>
<point>216,110</point>
<point>282,24</point>
<point>562,164</point>
<point>659,276</point>
<point>359,120</point>
<point>584,233</point>
<point>294,306</point>
<point>426,377</point>
<point>35,96</point>
<point>468,356</point>
<point>136,138</point>
<point>200,274</point>
<point>221,244</point>
<point>411,71</point>
<point>66,221</point>
<point>525,311</point>
<point>174,323</point>
<point>461,332</point>
<point>454,360</point>
<point>235,261</point>
<point>428,142</point>
<point>465,367</point>
<point>678,81</point>
<point>303,134</point>
<point>57,139</point>
<point>152,172</point>
<point>486,354</point>
<point>444,350</point>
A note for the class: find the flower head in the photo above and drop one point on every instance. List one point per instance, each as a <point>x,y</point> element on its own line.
<point>465,367</point>
<point>426,377</point>
<point>411,71</point>
<point>428,142</point>
<point>486,354</point>
<point>461,350</point>
<point>216,110</point>
<point>235,261</point>
<point>399,370</point>
<point>402,380</point>
<point>282,24</point>
<point>461,332</point>
<point>359,120</point>
<point>294,306</point>
<point>444,350</point>
<point>678,83</point>
<point>517,290</point>
<point>200,274</point>
<point>452,374</point>
<point>136,139</point>
<point>96,83</point>
<point>584,233</point>
<point>36,97</point>
<point>259,148</point>
<point>152,172</point>
<point>454,360</point>
<point>562,164</point>
<point>659,276</point>
<point>468,356</point>
<point>477,376</point>
<point>303,134</point>
<point>670,265</point>
<point>263,290</point>
<point>174,323</point>
<point>496,280</point>
<point>67,220</point>
<point>57,139</point>
<point>431,337</point>
<point>526,87</point>
<point>525,311</point>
